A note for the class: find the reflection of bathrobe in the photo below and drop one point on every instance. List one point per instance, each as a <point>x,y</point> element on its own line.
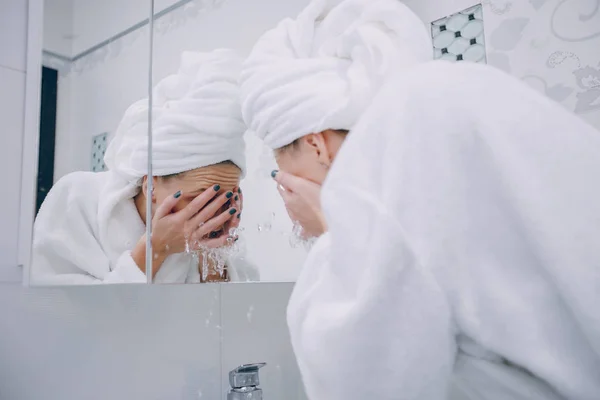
<point>463,252</point>
<point>85,231</point>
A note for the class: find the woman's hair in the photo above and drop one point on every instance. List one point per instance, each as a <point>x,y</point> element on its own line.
<point>294,145</point>
<point>180,174</point>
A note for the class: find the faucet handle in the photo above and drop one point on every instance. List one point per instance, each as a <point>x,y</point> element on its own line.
<point>245,375</point>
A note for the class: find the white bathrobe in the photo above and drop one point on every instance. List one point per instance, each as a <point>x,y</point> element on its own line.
<point>86,229</point>
<point>463,257</point>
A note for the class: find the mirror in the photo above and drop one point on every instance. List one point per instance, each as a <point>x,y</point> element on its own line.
<point>199,143</point>
<point>95,67</point>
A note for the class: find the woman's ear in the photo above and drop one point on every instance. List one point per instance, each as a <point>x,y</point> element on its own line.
<point>154,184</point>
<point>145,188</point>
<point>317,143</point>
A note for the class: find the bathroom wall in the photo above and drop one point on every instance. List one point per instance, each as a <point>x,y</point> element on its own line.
<point>13,33</point>
<point>120,342</point>
<point>141,342</point>
<point>95,91</point>
<point>553,45</point>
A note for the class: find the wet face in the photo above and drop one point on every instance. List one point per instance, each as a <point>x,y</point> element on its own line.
<point>192,183</point>
<point>311,156</point>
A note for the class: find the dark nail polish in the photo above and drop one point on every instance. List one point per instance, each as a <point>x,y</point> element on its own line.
<point>228,204</point>
<point>177,195</point>
<point>236,239</point>
<point>229,194</point>
<point>232,211</point>
<point>217,188</point>
<point>240,190</point>
<point>213,235</point>
<point>236,198</point>
<point>274,173</point>
<point>239,215</point>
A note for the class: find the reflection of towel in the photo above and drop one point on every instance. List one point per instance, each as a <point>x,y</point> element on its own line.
<point>196,120</point>
<point>321,70</point>
<point>464,240</point>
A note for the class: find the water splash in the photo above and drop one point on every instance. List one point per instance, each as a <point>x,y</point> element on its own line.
<point>267,225</point>
<point>214,260</point>
<point>249,314</point>
<point>298,237</point>
<point>187,244</point>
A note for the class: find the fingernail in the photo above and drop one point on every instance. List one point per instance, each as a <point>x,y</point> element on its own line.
<point>217,188</point>
<point>240,215</point>
<point>232,211</point>
<point>236,198</point>
<point>229,194</point>
<point>177,195</point>
<point>236,239</point>
<point>240,190</point>
<point>274,173</point>
<point>213,235</point>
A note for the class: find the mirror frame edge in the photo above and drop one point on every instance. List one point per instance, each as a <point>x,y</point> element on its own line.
<point>30,136</point>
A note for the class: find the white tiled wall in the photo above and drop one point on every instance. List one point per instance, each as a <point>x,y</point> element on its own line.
<point>254,330</point>
<point>459,37</point>
<point>13,27</point>
<point>139,342</point>
<point>13,34</point>
<point>99,145</point>
<point>131,342</point>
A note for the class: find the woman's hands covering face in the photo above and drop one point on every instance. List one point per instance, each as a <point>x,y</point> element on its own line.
<point>204,223</point>
<point>302,200</point>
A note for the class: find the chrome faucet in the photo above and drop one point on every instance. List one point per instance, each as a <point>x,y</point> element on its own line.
<point>244,382</point>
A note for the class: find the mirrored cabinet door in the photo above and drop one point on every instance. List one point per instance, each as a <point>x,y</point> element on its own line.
<point>93,130</point>
<point>231,223</point>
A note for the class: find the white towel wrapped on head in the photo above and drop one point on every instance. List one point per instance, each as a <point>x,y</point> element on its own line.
<point>196,120</point>
<point>321,70</point>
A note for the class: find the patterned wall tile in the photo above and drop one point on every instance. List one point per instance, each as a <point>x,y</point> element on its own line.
<point>460,36</point>
<point>99,143</point>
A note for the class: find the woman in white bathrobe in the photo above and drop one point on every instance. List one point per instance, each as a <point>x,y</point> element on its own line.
<point>91,226</point>
<point>458,223</point>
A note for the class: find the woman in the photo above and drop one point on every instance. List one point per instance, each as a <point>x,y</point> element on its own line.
<point>91,227</point>
<point>461,258</point>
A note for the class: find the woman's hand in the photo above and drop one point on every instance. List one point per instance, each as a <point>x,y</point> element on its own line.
<point>194,227</point>
<point>302,200</point>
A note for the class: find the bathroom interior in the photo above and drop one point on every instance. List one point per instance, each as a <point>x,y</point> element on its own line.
<point>68,71</point>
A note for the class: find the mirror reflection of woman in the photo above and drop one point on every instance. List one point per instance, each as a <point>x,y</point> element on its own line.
<point>457,214</point>
<point>91,227</point>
